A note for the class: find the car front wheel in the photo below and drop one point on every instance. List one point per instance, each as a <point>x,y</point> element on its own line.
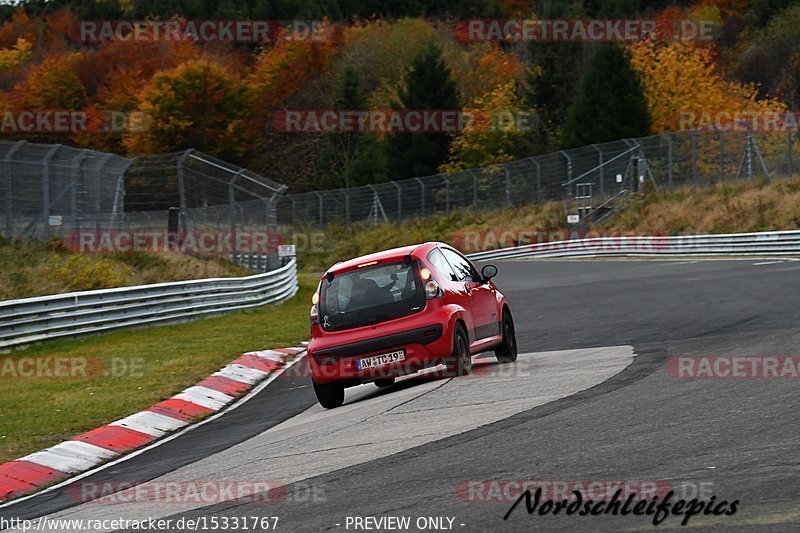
<point>329,395</point>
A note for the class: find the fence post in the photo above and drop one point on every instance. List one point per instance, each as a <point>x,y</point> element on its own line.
<point>346,193</point>
<point>569,170</point>
<point>76,169</point>
<point>7,171</point>
<point>399,200</point>
<point>421,194</point>
<point>232,210</point>
<point>722,156</point>
<point>538,179</point>
<point>446,194</point>
<point>695,175</point>
<point>182,191</point>
<point>508,184</point>
<point>474,188</point>
<point>600,167</point>
<point>789,164</point>
<point>46,188</point>
<point>321,206</point>
<point>669,159</point>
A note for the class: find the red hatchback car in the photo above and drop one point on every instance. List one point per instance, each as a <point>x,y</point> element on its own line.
<point>396,312</point>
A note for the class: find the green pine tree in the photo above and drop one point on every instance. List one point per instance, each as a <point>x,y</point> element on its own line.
<point>350,159</point>
<point>610,103</point>
<point>427,85</point>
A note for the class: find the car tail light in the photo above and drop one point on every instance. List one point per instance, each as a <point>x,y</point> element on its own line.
<point>314,315</point>
<point>432,290</point>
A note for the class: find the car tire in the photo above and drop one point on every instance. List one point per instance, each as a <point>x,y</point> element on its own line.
<point>384,382</point>
<point>460,361</point>
<point>329,395</point>
<point>506,351</point>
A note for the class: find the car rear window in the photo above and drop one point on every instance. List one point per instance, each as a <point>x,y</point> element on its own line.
<point>370,295</point>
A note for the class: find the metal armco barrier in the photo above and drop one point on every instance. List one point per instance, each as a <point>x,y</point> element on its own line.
<point>775,243</point>
<point>36,319</point>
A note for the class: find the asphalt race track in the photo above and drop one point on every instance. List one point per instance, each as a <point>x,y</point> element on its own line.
<point>590,400</point>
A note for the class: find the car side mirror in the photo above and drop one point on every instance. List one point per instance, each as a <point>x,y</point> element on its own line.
<point>488,272</point>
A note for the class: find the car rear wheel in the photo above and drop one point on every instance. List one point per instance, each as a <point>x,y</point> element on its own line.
<point>460,362</point>
<point>506,351</point>
<point>385,382</point>
<point>329,395</point>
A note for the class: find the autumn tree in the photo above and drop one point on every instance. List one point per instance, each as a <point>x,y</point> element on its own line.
<point>427,85</point>
<point>197,105</point>
<point>609,104</point>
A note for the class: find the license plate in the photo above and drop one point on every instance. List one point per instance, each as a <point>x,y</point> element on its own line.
<point>381,360</point>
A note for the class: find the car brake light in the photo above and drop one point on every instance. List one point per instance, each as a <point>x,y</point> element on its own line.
<point>314,315</point>
<point>431,289</point>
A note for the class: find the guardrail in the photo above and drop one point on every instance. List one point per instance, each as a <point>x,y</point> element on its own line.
<point>35,319</point>
<point>775,243</point>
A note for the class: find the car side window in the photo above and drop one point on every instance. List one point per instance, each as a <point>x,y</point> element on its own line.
<point>462,267</point>
<point>440,264</point>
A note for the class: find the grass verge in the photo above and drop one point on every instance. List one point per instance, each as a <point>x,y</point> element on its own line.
<point>153,364</point>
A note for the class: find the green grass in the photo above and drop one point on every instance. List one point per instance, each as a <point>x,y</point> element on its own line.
<point>39,412</point>
<point>31,268</point>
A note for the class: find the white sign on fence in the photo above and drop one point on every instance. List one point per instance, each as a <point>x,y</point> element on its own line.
<point>286,250</point>
<point>573,219</point>
<point>55,220</point>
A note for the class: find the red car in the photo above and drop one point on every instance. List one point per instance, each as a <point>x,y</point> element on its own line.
<point>396,312</point>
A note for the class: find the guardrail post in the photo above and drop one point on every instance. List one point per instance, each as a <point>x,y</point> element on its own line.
<point>421,194</point>
<point>7,171</point>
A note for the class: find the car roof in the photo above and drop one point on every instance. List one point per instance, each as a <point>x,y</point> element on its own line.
<point>385,255</point>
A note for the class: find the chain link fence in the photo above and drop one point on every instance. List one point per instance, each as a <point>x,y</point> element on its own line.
<point>51,191</point>
<point>593,180</point>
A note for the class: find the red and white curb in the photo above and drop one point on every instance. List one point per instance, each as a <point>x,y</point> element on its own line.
<point>84,452</point>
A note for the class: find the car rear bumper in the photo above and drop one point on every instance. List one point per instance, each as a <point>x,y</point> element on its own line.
<point>424,347</point>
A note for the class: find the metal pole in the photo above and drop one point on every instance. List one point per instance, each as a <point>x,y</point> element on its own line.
<point>76,169</point>
<point>474,188</point>
<point>399,200</point>
<point>749,156</point>
<point>508,184</point>
<point>722,156</point>
<point>346,193</point>
<point>446,195</point>
<point>538,179</point>
<point>291,199</point>
<point>569,170</point>
<point>695,175</point>
<point>182,190</point>
<point>599,167</point>
<point>789,164</point>
<point>46,188</point>
<point>321,206</point>
<point>7,169</point>
<point>669,159</point>
<point>422,194</point>
<point>232,211</point>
